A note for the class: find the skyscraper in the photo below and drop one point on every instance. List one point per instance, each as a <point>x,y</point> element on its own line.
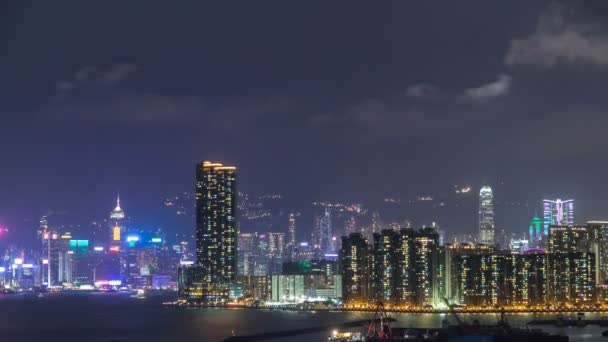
<point>291,230</point>
<point>536,234</point>
<point>321,234</point>
<point>325,232</point>
<point>355,261</point>
<point>571,265</point>
<point>246,254</point>
<point>557,212</point>
<point>117,217</point>
<point>216,228</point>
<point>486,215</point>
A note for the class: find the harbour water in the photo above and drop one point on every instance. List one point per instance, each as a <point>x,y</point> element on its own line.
<point>115,317</point>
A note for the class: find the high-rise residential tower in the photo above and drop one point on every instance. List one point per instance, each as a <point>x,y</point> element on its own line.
<point>216,228</point>
<point>486,215</point>
<point>557,212</point>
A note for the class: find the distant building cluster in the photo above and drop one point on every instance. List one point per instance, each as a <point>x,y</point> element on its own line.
<point>409,269</point>
<point>111,256</point>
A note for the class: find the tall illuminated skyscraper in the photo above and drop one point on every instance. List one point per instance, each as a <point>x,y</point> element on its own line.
<point>486,215</point>
<point>355,261</point>
<point>291,230</point>
<point>117,217</point>
<point>557,212</point>
<point>216,228</point>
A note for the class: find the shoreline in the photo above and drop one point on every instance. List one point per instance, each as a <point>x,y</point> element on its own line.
<point>389,310</point>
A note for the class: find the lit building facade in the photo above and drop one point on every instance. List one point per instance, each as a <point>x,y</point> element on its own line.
<point>536,232</point>
<point>384,282</point>
<point>216,228</point>
<point>355,262</point>
<point>426,245</point>
<point>246,254</point>
<point>557,212</point>
<point>287,288</point>
<point>276,251</point>
<point>291,230</point>
<point>486,215</point>
<point>571,266</point>
<point>599,236</point>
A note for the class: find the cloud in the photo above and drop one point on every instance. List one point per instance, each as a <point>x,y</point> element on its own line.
<point>395,119</point>
<point>93,75</point>
<point>126,108</point>
<point>119,72</point>
<point>85,73</point>
<point>422,91</point>
<point>404,116</point>
<point>489,91</point>
<point>64,86</point>
<point>560,40</point>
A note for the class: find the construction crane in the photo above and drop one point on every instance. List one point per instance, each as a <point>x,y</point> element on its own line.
<point>453,312</point>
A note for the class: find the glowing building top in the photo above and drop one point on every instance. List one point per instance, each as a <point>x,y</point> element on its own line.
<point>486,215</point>
<point>557,212</point>
<point>117,213</point>
<point>536,234</point>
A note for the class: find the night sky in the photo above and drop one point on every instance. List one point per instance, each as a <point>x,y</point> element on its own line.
<point>341,100</point>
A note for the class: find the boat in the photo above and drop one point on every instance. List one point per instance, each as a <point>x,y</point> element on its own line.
<point>140,293</point>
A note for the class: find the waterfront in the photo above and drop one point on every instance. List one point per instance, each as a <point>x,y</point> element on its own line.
<point>118,317</point>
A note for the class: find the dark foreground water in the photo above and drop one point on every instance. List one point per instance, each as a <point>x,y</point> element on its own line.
<point>118,317</point>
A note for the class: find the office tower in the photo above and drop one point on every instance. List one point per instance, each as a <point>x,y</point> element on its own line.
<point>117,217</point>
<point>486,215</point>
<point>571,266</point>
<point>355,261</point>
<point>276,245</point>
<point>384,266</point>
<point>216,228</point>
<point>557,213</point>
<point>246,254</point>
<point>321,234</point>
<point>51,250</point>
<point>535,231</point>
<point>262,259</point>
<point>291,230</point>
<point>276,251</point>
<point>78,252</point>
<point>376,222</point>
<point>325,232</point>
<point>599,231</point>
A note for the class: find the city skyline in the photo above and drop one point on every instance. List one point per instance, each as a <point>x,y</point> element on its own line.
<point>278,170</point>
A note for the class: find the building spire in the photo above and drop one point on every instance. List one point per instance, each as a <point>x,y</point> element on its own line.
<point>118,200</point>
